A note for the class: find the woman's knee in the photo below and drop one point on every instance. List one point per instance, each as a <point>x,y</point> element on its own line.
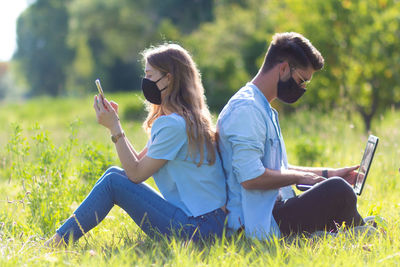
<point>115,169</point>
<point>111,179</point>
<point>110,170</point>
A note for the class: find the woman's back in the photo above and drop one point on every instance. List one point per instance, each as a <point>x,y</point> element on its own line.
<point>196,190</point>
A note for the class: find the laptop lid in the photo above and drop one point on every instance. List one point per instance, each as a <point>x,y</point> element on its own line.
<point>366,161</point>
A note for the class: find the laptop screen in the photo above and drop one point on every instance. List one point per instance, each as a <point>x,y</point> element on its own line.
<point>365,163</point>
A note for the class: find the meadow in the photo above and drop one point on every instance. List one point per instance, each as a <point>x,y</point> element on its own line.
<point>52,151</point>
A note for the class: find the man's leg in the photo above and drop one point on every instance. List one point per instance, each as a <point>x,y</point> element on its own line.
<point>320,208</point>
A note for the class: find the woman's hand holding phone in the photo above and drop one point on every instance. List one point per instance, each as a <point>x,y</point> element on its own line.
<point>114,105</point>
<point>106,112</point>
<point>101,95</point>
<point>99,88</point>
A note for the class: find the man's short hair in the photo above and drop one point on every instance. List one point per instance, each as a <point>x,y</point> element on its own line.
<point>293,48</point>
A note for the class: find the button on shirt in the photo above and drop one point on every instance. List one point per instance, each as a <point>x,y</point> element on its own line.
<point>249,141</point>
<point>195,190</point>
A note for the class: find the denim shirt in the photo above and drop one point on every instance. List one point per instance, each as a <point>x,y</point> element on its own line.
<point>250,140</point>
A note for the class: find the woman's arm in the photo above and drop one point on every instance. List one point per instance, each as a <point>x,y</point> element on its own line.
<point>138,155</point>
<point>144,151</point>
<point>138,167</point>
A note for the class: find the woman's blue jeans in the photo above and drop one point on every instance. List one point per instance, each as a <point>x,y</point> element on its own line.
<point>150,211</point>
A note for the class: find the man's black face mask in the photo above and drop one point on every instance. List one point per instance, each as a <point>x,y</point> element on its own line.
<point>289,91</point>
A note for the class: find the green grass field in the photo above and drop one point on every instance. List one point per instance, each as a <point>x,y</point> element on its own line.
<point>53,150</point>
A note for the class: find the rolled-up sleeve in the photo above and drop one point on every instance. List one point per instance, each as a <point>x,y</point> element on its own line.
<point>246,131</point>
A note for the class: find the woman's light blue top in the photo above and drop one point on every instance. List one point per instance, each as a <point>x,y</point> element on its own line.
<point>195,190</point>
<point>250,141</point>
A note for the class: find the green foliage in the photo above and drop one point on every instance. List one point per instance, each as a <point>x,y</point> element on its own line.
<point>186,15</point>
<point>357,38</point>
<point>64,45</point>
<point>45,173</point>
<point>108,37</point>
<point>95,159</point>
<point>216,47</point>
<point>309,151</point>
<point>135,110</point>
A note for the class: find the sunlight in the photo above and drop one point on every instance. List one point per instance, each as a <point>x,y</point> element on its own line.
<point>9,12</point>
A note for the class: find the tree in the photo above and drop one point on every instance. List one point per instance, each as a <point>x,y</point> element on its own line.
<point>42,50</point>
<point>360,41</point>
<point>217,48</point>
<point>110,35</point>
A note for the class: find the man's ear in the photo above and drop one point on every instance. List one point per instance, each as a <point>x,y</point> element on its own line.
<point>169,77</point>
<point>284,69</point>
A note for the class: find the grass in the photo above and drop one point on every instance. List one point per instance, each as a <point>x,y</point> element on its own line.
<point>53,150</point>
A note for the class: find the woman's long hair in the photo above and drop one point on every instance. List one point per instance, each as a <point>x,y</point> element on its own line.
<point>184,96</point>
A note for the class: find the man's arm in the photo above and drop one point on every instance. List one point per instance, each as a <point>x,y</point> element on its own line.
<point>246,132</point>
<point>315,170</point>
<point>273,179</point>
<point>347,173</point>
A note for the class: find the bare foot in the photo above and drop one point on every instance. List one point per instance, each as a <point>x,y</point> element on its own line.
<point>55,242</point>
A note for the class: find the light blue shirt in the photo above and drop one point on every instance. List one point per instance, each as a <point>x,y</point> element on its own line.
<point>250,140</point>
<point>195,190</point>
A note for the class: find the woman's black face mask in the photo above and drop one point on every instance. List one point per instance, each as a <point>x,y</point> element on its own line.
<point>289,91</point>
<point>151,91</point>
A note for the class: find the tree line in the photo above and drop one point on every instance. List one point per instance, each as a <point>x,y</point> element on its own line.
<point>63,45</point>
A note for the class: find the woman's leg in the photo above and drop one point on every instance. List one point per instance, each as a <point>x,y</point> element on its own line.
<point>320,208</point>
<point>57,240</point>
<point>146,207</point>
<point>114,169</point>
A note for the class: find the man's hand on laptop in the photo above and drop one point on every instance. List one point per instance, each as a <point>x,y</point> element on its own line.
<point>309,178</point>
<point>347,173</point>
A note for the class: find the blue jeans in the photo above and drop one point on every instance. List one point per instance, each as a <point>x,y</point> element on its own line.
<point>150,211</point>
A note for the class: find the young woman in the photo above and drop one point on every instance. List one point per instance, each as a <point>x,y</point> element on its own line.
<point>180,155</point>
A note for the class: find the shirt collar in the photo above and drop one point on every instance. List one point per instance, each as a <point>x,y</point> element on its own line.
<point>272,113</point>
<point>261,97</point>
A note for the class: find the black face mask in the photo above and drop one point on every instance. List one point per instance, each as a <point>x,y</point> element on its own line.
<point>289,91</point>
<point>151,91</point>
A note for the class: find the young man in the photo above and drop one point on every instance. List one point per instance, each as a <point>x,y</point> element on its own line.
<point>260,198</point>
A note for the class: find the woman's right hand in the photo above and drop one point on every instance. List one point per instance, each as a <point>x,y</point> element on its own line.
<point>115,106</point>
<point>107,115</point>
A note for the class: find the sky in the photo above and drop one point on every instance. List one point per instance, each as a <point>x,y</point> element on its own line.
<point>9,12</point>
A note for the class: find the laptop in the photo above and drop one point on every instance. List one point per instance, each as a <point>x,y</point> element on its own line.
<point>363,170</point>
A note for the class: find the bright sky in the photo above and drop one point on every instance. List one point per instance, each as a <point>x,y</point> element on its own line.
<point>9,12</point>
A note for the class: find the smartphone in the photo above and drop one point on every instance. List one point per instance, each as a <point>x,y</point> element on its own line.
<point>99,88</point>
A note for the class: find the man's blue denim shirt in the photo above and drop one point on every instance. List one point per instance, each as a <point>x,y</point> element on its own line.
<point>250,140</point>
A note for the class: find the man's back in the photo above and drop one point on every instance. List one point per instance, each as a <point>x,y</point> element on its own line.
<point>250,141</point>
